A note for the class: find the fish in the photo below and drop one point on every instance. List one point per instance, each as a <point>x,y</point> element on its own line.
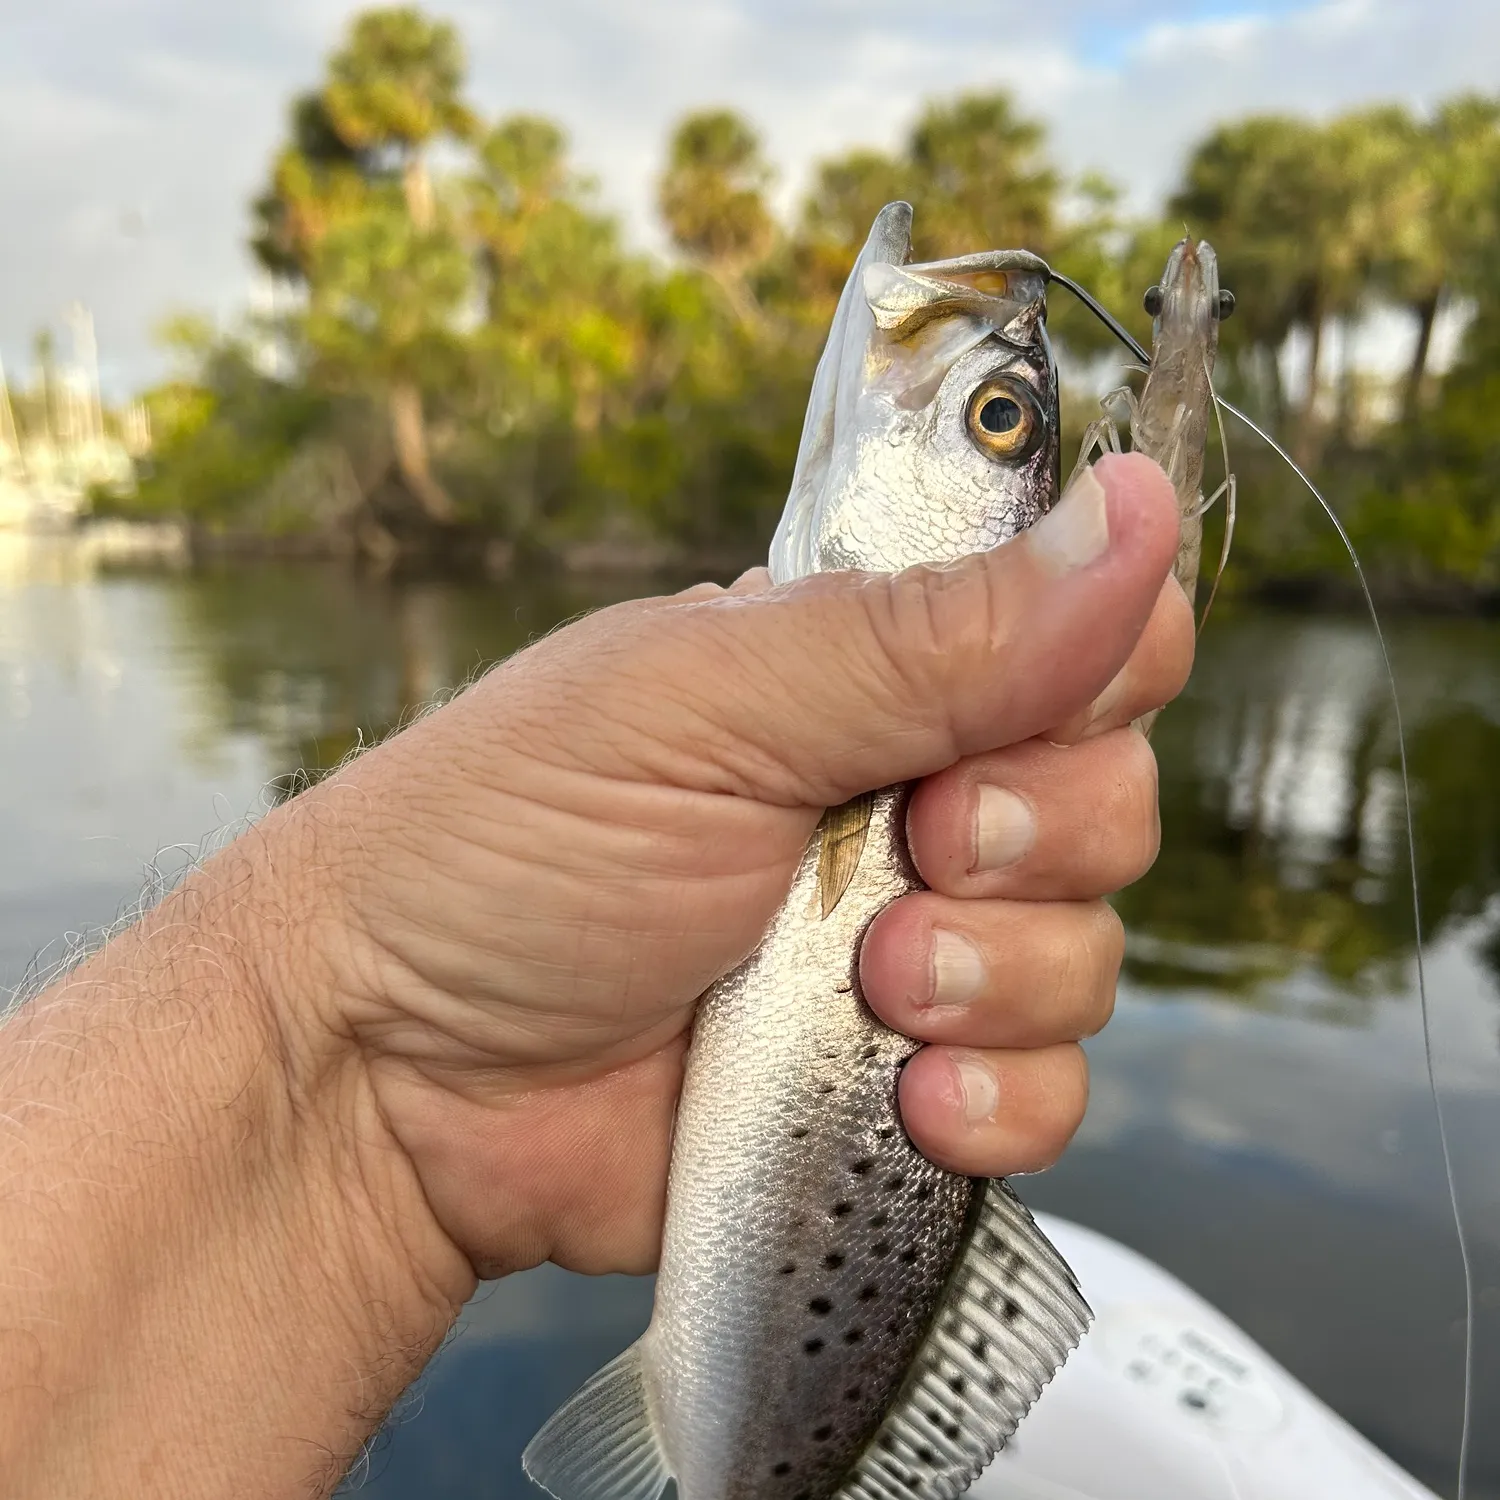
<point>837,1318</point>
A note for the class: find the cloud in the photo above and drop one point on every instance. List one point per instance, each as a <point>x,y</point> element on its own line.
<point>133,132</point>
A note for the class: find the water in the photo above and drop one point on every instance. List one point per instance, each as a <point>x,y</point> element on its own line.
<point>1260,1124</point>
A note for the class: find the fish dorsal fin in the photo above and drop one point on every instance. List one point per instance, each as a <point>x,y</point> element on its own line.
<point>601,1445</point>
<point>1009,1316</point>
<point>889,243</point>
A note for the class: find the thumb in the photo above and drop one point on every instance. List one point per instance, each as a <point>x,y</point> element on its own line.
<point>839,683</point>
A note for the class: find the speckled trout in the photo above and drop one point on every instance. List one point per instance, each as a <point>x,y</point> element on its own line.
<point>835,1315</point>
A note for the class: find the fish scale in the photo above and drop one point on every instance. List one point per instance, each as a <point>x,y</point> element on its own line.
<point>835,1315</point>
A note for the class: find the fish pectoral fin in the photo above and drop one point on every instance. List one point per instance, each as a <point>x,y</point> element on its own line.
<point>1010,1315</point>
<point>600,1444</point>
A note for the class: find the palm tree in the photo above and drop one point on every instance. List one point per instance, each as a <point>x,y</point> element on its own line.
<point>712,197</point>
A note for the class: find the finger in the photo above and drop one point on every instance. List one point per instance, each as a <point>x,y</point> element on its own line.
<point>1039,822</point>
<point>1156,672</point>
<point>992,973</point>
<point>808,693</point>
<point>991,1113</point>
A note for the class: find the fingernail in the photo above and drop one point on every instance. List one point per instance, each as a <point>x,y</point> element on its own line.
<point>958,971</point>
<point>1004,828</point>
<point>981,1093</point>
<point>1076,530</point>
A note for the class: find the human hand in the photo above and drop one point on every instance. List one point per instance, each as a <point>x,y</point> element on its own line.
<point>520,898</point>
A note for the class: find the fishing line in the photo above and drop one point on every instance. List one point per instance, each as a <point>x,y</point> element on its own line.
<point>1449,1175</point>
<point>1416,906</point>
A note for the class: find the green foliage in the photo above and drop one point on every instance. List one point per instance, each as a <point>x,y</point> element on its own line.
<point>536,378</point>
<point>223,430</point>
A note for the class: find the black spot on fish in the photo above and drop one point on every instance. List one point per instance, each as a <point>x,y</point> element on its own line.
<point>833,1260</point>
<point>831,1053</point>
<point>879,1221</point>
<point>895,1184</point>
<point>868,1293</point>
<point>888,1442</point>
<point>860,1167</point>
<point>952,1431</point>
<point>826,1088</point>
<point>885,1133</point>
<point>840,1209</point>
<point>821,1306</point>
<point>992,1241</point>
<point>822,1434</point>
<point>995,1385</point>
<point>789,1268</point>
<point>854,1393</point>
<point>935,1417</point>
<point>871,1051</point>
<point>813,1346</point>
<point>957,1384</point>
<point>854,1335</point>
<point>908,1257</point>
<point>980,1346</point>
<point>880,1249</point>
<point>782,1468</point>
<point>800,1133</point>
<point>910,1481</point>
<point>924,1192</point>
<point>926,1455</point>
<point>1011,1311</point>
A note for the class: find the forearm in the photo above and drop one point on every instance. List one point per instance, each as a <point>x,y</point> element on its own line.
<point>216,1270</point>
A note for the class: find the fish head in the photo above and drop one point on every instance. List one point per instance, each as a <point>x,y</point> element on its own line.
<point>932,428</point>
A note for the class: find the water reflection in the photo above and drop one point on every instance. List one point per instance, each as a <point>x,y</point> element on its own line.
<point>1283,826</point>
<point>1261,1123</point>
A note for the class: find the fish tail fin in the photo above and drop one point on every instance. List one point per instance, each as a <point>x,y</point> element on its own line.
<point>601,1444</point>
<point>1009,1317</point>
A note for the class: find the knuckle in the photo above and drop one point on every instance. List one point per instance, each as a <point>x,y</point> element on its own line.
<point>929,624</point>
<point>1131,812</point>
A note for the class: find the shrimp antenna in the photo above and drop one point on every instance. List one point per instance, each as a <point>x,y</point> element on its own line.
<point>1416,906</point>
<point>1103,314</point>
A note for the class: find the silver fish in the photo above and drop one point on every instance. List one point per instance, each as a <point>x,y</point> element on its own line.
<point>835,1316</point>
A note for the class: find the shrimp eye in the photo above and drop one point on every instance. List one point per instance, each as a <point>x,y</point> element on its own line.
<point>1153,301</point>
<point>1226,304</point>
<point>1004,419</point>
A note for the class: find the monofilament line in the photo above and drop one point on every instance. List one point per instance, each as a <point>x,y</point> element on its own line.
<point>1416,907</point>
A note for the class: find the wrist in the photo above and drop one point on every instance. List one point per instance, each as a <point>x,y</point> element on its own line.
<point>198,1181</point>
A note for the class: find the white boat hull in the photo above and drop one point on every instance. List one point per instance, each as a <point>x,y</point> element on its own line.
<point>1166,1399</point>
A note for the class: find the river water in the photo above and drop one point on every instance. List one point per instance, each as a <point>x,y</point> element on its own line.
<point>1261,1121</point>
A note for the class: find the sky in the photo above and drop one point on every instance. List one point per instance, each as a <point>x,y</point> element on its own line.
<point>134,132</point>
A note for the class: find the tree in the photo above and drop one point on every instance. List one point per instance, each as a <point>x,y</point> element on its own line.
<point>393,88</point>
<point>1264,191</point>
<point>712,197</point>
<point>981,179</point>
<point>1447,192</point>
<point>329,219</point>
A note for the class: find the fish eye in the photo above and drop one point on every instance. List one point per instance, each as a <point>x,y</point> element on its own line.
<point>1153,301</point>
<point>1004,419</point>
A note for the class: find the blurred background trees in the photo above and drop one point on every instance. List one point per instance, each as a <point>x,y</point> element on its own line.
<point>466,336</point>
